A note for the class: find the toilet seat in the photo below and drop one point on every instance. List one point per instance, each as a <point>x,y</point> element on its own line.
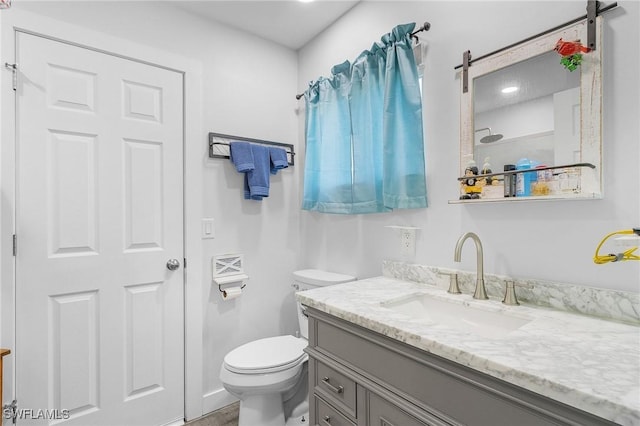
<point>268,355</point>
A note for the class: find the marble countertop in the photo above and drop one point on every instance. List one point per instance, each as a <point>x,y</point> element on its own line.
<point>586,362</point>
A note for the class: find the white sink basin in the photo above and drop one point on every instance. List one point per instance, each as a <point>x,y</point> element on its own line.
<point>475,320</point>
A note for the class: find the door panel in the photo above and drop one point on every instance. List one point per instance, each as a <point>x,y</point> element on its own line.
<point>143,195</point>
<point>73,348</point>
<point>72,194</point>
<point>99,318</point>
<point>144,331</point>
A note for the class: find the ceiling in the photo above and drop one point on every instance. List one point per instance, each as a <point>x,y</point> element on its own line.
<point>290,23</point>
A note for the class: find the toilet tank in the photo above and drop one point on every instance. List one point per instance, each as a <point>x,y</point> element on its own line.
<point>308,279</point>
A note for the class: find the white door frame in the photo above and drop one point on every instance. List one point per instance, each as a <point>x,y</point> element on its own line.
<point>194,149</point>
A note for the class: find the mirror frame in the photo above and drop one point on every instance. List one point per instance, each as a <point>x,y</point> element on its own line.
<point>590,104</point>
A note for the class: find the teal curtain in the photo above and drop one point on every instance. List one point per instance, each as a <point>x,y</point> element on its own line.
<point>364,134</point>
<point>328,132</point>
<point>367,101</point>
<point>404,169</point>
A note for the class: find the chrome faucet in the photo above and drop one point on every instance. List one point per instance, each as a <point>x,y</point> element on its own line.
<point>480,292</point>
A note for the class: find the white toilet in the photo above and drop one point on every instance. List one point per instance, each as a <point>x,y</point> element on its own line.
<point>269,376</point>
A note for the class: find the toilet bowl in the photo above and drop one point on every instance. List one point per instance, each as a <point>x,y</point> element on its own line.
<point>269,376</point>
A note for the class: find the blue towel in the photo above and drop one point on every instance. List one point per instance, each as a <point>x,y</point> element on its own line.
<point>278,159</point>
<point>257,180</point>
<point>241,156</point>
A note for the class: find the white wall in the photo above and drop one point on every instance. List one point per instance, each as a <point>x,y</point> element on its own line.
<point>536,116</point>
<point>248,88</point>
<point>544,240</point>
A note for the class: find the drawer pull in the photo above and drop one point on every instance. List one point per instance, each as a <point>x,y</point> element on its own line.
<point>338,389</point>
<point>327,420</point>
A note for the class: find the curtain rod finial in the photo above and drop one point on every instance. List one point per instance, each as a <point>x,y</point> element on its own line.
<point>424,27</point>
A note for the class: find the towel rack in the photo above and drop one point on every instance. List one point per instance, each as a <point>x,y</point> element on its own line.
<point>219,146</point>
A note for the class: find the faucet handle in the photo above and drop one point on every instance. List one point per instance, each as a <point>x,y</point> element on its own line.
<point>453,284</point>
<point>510,294</point>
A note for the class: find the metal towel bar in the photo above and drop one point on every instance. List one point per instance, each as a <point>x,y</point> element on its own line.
<point>219,146</point>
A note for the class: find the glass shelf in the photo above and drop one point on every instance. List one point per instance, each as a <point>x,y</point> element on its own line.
<point>548,197</point>
<point>576,197</point>
<point>514,172</point>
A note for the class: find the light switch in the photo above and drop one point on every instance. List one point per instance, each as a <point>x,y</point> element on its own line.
<point>208,228</point>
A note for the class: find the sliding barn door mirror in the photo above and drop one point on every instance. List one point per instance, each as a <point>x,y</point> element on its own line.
<point>534,104</point>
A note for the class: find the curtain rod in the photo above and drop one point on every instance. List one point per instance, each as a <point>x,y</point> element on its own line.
<point>425,27</point>
<point>550,30</point>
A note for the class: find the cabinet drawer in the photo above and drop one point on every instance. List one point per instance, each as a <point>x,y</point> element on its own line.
<point>382,412</point>
<point>336,388</point>
<point>326,415</point>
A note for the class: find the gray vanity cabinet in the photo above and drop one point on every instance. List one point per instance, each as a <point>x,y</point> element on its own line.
<point>359,378</point>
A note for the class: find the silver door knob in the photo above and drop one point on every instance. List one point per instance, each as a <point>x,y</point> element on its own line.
<point>173,264</point>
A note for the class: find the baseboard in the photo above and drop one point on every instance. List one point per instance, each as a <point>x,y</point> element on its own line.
<point>216,400</point>
<point>175,423</point>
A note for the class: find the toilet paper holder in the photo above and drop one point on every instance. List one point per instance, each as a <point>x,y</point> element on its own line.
<point>224,292</point>
<point>230,279</point>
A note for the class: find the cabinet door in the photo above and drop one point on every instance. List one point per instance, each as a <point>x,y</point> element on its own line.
<point>383,413</point>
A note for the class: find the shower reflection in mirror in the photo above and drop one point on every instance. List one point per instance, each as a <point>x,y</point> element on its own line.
<point>536,106</point>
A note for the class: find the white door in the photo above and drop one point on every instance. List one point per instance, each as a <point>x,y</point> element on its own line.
<point>99,316</point>
<point>566,126</point>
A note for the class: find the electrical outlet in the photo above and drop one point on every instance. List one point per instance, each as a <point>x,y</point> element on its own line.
<point>408,241</point>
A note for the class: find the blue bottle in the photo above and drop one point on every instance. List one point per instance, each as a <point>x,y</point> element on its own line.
<point>524,180</point>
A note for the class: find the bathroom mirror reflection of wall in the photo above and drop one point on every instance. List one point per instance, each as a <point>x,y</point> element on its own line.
<point>550,115</point>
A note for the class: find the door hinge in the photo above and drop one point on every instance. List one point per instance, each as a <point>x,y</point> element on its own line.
<point>15,245</point>
<point>10,411</point>
<point>14,69</point>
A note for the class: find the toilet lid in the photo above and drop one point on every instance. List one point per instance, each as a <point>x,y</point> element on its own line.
<point>266,355</point>
<point>321,278</point>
